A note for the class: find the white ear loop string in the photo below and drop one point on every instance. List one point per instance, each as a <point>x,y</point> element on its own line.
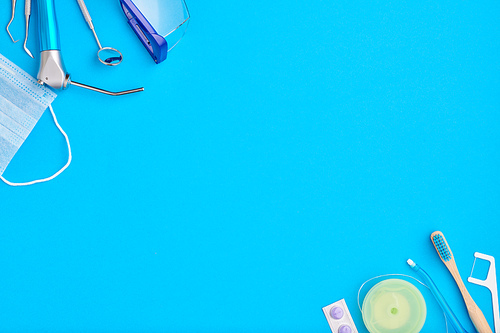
<point>386,275</point>
<point>58,172</point>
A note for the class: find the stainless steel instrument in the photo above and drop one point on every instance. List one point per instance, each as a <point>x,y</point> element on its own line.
<point>12,19</point>
<point>52,71</point>
<point>27,14</point>
<point>107,55</point>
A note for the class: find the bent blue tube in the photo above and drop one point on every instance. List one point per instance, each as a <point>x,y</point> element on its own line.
<point>439,297</point>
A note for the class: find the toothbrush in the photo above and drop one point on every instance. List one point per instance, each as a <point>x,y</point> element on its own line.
<point>444,251</point>
<point>439,298</point>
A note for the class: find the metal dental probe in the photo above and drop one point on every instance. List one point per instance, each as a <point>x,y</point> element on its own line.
<point>126,92</point>
<point>27,14</point>
<point>12,19</point>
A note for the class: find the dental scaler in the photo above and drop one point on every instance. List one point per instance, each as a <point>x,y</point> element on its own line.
<point>52,71</point>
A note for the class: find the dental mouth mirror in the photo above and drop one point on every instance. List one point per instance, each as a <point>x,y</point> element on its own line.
<point>52,71</point>
<point>107,55</point>
<point>12,19</point>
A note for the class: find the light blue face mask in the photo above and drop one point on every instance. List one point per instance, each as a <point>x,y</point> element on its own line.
<point>22,103</point>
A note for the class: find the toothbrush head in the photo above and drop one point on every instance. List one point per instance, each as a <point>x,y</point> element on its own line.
<point>441,246</point>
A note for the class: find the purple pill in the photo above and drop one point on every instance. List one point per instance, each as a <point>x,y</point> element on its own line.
<point>336,313</point>
<point>345,329</point>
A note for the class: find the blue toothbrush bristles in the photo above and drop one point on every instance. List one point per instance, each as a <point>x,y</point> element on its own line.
<point>442,248</point>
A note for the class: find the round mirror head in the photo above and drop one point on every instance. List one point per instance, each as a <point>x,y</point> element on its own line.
<point>110,56</point>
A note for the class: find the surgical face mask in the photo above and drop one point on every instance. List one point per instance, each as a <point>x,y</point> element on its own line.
<point>22,103</point>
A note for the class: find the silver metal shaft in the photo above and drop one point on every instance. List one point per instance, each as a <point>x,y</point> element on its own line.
<point>12,19</point>
<point>120,93</point>
<point>96,39</point>
<point>88,19</point>
<point>27,14</point>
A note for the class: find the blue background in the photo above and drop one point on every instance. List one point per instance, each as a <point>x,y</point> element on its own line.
<point>282,155</point>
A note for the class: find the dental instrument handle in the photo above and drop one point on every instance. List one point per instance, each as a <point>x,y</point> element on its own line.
<point>51,71</point>
<point>48,29</point>
<point>27,14</point>
<point>87,17</point>
<point>439,297</point>
<point>120,93</point>
<point>27,7</point>
<point>85,13</point>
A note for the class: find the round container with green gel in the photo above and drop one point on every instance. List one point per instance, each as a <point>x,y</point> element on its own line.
<point>392,306</point>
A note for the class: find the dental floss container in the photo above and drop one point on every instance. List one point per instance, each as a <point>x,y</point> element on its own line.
<point>392,306</point>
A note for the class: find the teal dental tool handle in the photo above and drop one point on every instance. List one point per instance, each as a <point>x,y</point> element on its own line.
<point>47,26</point>
<point>51,70</point>
<point>439,298</point>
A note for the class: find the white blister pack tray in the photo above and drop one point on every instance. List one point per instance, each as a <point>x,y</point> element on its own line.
<point>339,318</point>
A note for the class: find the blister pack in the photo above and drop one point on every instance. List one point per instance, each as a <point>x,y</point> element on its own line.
<point>339,318</point>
